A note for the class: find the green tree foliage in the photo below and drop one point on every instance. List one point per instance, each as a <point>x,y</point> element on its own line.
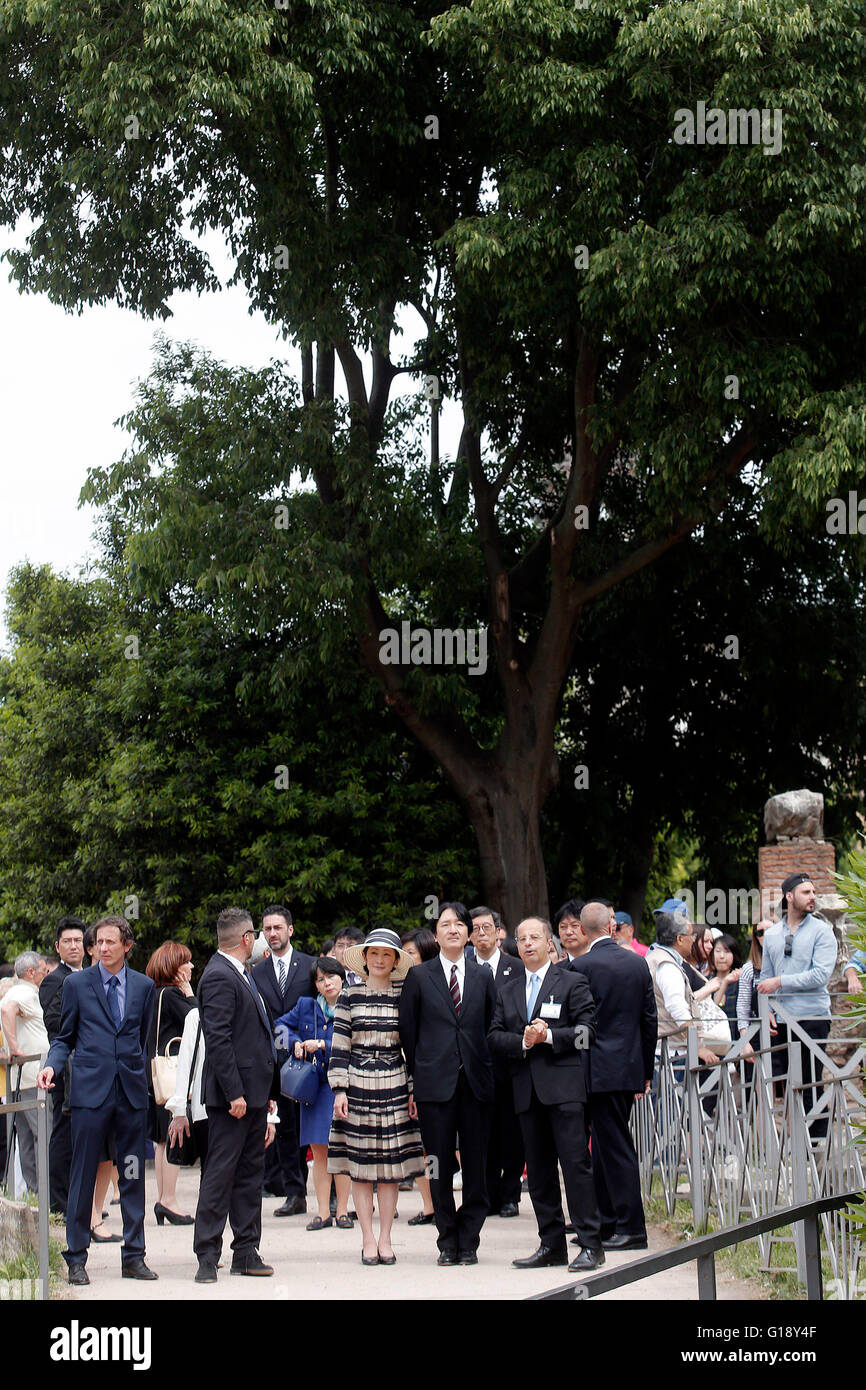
<point>686,731</point>
<point>361,158</point>
<point>141,770</point>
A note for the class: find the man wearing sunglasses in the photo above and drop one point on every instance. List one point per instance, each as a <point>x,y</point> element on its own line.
<point>240,1086</point>
<point>799,956</point>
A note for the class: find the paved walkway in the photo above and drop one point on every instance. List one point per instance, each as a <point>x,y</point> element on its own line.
<point>327,1264</point>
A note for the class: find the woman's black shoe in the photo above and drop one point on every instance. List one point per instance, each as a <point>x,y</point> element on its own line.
<point>173,1218</point>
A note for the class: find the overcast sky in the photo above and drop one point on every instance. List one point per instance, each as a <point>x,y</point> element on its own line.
<point>64,378</point>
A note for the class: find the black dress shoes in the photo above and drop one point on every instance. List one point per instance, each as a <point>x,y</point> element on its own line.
<point>77,1275</point>
<point>250,1264</point>
<point>137,1269</point>
<point>544,1257</point>
<point>587,1259</point>
<point>424,1218</point>
<point>467,1257</point>
<point>447,1257</point>
<point>625,1242</point>
<point>206,1273</point>
<point>509,1209</point>
<point>292,1206</point>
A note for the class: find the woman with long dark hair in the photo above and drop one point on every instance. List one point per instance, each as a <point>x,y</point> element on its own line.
<point>747,992</point>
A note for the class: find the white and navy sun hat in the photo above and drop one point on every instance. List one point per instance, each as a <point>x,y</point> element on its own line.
<point>353,956</point>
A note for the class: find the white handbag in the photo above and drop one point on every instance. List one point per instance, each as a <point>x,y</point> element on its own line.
<point>163,1068</point>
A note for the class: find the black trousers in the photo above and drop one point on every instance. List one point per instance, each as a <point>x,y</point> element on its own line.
<point>819,1029</point>
<point>551,1133</point>
<point>615,1169</point>
<point>505,1158</point>
<point>231,1184</point>
<point>440,1123</point>
<point>285,1163</point>
<point>90,1129</point>
<point>59,1147</point>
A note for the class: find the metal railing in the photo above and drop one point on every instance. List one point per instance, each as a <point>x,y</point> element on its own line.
<point>40,1105</point>
<point>806,1217</point>
<point>740,1139</point>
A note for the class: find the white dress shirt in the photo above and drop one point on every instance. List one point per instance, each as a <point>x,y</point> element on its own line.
<point>493,962</point>
<point>461,971</point>
<point>541,972</point>
<point>236,963</point>
<point>287,965</point>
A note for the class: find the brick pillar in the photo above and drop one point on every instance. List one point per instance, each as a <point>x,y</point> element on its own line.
<point>775,862</point>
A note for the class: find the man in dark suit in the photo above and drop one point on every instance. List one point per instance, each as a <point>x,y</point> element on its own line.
<point>542,1024</point>
<point>69,945</point>
<point>619,1067</point>
<point>105,1019</point>
<point>282,979</point>
<point>505,1157</point>
<point>239,1083</point>
<point>446,1009</point>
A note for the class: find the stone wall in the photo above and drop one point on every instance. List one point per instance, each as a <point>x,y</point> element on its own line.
<point>775,862</point>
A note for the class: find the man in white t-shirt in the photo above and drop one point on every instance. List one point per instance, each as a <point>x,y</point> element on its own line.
<point>24,1030</point>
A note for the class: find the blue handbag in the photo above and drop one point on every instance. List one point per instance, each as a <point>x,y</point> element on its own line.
<point>300,1080</point>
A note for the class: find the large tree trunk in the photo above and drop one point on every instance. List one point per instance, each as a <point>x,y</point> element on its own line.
<point>506,814</point>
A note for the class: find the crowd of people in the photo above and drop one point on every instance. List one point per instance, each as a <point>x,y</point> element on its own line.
<point>455,1056</point>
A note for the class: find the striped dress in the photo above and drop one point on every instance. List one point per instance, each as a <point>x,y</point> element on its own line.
<point>378,1142</point>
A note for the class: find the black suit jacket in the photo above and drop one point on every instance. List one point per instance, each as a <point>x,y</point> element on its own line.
<point>507,969</point>
<point>554,1070</point>
<point>239,1059</point>
<point>297,986</point>
<point>50,997</point>
<point>622,1058</point>
<point>437,1041</point>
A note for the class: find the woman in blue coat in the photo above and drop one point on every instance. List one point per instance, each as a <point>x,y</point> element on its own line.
<point>308,1030</point>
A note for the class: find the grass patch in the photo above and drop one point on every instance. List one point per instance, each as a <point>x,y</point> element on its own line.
<point>25,1265</point>
<point>741,1261</point>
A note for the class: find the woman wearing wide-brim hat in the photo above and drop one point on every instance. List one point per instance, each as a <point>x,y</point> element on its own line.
<point>372,1137</point>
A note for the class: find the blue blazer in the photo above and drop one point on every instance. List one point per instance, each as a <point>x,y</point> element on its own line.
<point>304,1021</point>
<point>103,1051</point>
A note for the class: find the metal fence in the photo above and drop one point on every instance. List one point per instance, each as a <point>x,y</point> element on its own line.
<point>741,1140</point>
<point>40,1105</point>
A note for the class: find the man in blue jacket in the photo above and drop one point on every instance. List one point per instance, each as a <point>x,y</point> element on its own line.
<point>105,1020</point>
<point>798,960</point>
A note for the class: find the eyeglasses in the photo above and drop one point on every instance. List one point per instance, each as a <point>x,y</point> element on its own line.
<point>483,931</point>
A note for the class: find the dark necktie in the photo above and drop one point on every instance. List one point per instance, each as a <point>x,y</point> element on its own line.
<point>114,1001</point>
<point>455,989</point>
<point>282,971</point>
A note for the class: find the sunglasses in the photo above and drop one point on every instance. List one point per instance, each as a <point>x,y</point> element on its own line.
<point>789,944</point>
